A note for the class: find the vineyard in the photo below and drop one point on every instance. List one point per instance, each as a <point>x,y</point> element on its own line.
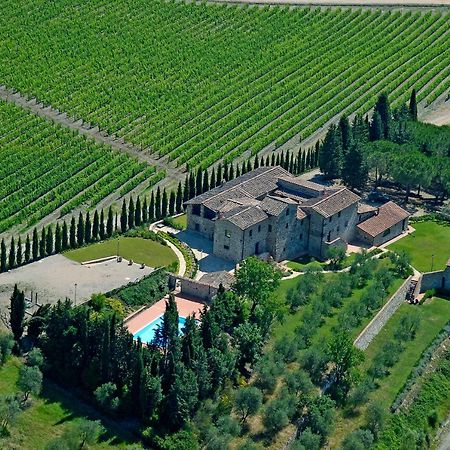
<point>46,167</point>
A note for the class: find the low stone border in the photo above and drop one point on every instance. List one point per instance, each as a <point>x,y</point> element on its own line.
<point>99,260</point>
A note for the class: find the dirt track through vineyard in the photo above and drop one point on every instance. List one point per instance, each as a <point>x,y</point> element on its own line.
<point>372,3</point>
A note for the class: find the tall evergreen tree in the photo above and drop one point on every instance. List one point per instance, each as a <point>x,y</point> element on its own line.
<point>249,166</point>
<point>87,229</point>
<point>80,230</point>
<point>27,249</point>
<point>42,243</point>
<point>58,238</point>
<point>179,199</point>
<point>345,133</point>
<point>191,185</point>
<point>238,171</point>
<point>219,177</point>
<point>158,204</point>
<point>17,313</point>
<point>65,237</point>
<point>131,213</point>
<point>95,226</point>
<point>273,161</point>
<point>355,171</point>
<point>151,207</point>
<point>138,212</point>
<point>376,128</point>
<point>360,130</point>
<point>256,162</point>
<point>261,161</point>
<point>277,160</point>
<point>199,182</point>
<point>49,241</point>
<point>72,233</point>
<point>330,157</point>
<point>145,210</point>
<point>413,105</point>
<point>3,257</point>
<point>35,245</point>
<point>383,108</point>
<point>243,168</point>
<point>172,203</point>
<point>110,222</point>
<point>205,187</point>
<point>186,189</point>
<point>164,204</point>
<point>231,172</point>
<point>212,179</point>
<point>225,171</point>
<point>267,160</point>
<point>116,222</point>
<point>19,256</point>
<point>123,217</point>
<point>12,254</point>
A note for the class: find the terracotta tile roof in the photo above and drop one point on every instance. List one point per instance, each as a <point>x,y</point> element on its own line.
<point>332,202</point>
<point>387,216</point>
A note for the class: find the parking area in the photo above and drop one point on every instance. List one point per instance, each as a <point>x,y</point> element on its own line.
<point>55,277</point>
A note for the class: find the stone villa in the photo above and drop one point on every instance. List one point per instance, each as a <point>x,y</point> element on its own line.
<point>269,211</point>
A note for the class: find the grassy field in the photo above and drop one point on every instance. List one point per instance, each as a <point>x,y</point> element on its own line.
<point>49,416</point>
<point>430,238</point>
<point>434,314</point>
<point>181,220</point>
<point>140,250</point>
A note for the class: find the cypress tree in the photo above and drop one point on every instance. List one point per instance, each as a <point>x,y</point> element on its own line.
<point>225,171</point>
<point>330,158</point>
<point>116,223</point>
<point>110,223</point>
<point>249,166</point>
<point>158,203</point>
<point>164,204</point>
<point>308,159</point>
<point>65,236</point>
<point>383,108</point>
<point>87,229</point>
<point>3,266</point>
<point>186,189</point>
<point>80,230</point>
<point>172,203</point>
<point>413,105</point>
<point>376,128</point>
<point>151,207</point>
<point>316,154</point>
<point>256,162</point>
<point>19,258</point>
<point>198,181</point>
<point>179,199</point>
<point>123,217</point>
<point>27,249</point>
<point>219,175</point>
<point>303,163</point>
<point>212,179</point>
<point>101,226</point>
<point>231,172</point>
<point>291,164</point>
<point>12,254</point>
<point>191,185</point>
<point>205,187</point>
<point>267,160</point>
<point>49,241</point>
<point>72,233</point>
<point>131,212</point>
<point>42,243</point>
<point>138,212</point>
<point>106,351</point>
<point>145,211</point>
<point>277,161</point>
<point>345,133</point>
<point>35,245</point>
<point>58,239</point>
<point>238,171</point>
<point>17,313</point>
<point>243,168</point>
<point>273,161</point>
<point>95,226</point>
<point>261,161</point>
<point>355,172</point>
<point>282,159</point>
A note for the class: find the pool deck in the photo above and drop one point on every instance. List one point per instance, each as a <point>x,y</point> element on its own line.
<point>185,307</point>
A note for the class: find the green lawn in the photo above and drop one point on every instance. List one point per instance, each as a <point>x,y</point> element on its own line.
<point>49,416</point>
<point>300,264</point>
<point>140,250</point>
<point>430,238</point>
<point>435,313</point>
<point>181,220</point>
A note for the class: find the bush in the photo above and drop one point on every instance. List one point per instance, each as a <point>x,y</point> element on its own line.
<point>307,441</point>
<point>6,346</point>
<point>358,440</point>
<point>275,416</point>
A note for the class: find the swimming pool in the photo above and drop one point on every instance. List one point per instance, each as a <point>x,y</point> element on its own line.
<point>147,333</point>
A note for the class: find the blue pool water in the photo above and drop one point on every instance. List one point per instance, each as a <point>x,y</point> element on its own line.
<point>148,332</point>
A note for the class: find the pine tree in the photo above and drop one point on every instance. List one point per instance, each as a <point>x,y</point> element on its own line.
<point>172,203</point>
<point>3,257</point>
<point>123,217</point>
<point>376,128</point>
<point>330,157</point>
<point>19,258</point>
<point>17,313</point>
<point>58,238</point>
<point>80,230</point>
<point>145,211</point>
<point>138,212</point>
<point>49,241</point>
<point>191,185</point>
<point>12,254</point>
<point>413,105</point>
<point>88,229</point>
<point>198,181</point>
<point>110,223</point>
<point>65,237</point>
<point>131,213</point>
<point>72,233</point>
<point>205,187</point>
<point>35,245</point>
<point>164,204</point>
<point>95,226</point>
<point>383,108</point>
<point>158,204</point>
<point>151,208</point>
<point>355,172</point>
<point>27,249</point>
<point>179,199</point>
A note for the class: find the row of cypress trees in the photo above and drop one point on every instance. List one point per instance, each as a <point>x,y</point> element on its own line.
<point>89,228</point>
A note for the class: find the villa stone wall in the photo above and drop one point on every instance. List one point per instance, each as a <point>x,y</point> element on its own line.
<point>439,279</point>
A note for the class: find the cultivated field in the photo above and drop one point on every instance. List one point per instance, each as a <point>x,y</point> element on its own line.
<point>197,83</point>
<point>46,168</point>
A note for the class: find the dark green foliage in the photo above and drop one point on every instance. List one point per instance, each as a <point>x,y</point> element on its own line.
<point>345,133</point>
<point>49,241</point>
<point>88,229</point>
<point>28,249</point>
<point>179,199</point>
<point>3,257</point>
<point>19,255</point>
<point>359,439</point>
<point>138,212</point>
<point>383,108</point>
<point>144,212</point>
<point>80,230</point>
<point>376,128</point>
<point>248,341</point>
<point>320,416</point>
<point>375,417</point>
<point>248,401</point>
<point>164,204</point>
<point>172,203</point>
<point>355,171</point>
<point>96,226</point>
<point>124,217</point>
<point>331,156</point>
<point>12,254</point>
<point>58,239</point>
<point>17,313</point>
<point>6,345</point>
<point>413,105</point>
<point>307,441</point>
<point>109,223</point>
<point>131,213</point>
<point>151,208</point>
<point>158,215</point>
<point>72,235</point>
